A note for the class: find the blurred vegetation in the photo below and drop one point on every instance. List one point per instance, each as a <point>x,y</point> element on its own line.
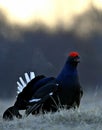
<point>29,49</point>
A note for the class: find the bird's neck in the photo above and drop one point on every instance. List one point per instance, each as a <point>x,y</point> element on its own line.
<point>68,71</point>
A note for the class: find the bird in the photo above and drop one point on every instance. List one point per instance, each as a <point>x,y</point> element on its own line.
<point>48,93</point>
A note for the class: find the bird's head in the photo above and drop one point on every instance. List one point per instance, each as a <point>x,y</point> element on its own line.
<point>73,58</point>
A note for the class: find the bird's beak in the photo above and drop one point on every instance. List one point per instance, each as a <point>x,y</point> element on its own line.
<point>77,59</point>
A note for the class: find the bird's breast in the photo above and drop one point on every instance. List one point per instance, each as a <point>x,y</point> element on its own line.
<point>69,81</point>
<point>67,93</point>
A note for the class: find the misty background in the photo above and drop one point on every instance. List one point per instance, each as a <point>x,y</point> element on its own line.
<point>35,48</point>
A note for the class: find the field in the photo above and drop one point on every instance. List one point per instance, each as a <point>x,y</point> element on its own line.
<point>89,117</point>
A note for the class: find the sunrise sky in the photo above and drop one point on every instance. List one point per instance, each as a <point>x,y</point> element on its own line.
<point>48,12</point>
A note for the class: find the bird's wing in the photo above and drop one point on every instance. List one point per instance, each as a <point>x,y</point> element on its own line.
<point>41,96</point>
<point>22,83</point>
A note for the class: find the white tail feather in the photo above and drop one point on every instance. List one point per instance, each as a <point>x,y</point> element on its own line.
<point>27,77</point>
<point>19,89</point>
<point>17,92</point>
<point>32,75</point>
<point>21,84</point>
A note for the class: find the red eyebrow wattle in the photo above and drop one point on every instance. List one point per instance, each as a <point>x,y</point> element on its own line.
<point>74,54</point>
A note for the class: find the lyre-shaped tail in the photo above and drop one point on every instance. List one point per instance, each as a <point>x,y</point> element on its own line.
<point>22,83</point>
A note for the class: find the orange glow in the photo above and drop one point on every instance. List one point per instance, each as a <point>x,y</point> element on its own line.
<point>48,12</point>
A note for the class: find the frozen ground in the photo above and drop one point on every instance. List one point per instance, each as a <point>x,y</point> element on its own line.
<point>88,118</point>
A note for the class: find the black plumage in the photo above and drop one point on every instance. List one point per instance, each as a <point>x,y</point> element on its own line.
<point>51,93</point>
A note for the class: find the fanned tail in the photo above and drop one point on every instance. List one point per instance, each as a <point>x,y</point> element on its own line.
<point>22,83</point>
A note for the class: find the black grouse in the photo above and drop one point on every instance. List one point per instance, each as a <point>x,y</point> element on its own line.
<point>49,93</point>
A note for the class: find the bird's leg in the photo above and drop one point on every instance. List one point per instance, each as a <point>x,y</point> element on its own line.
<point>56,105</point>
<point>59,102</point>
